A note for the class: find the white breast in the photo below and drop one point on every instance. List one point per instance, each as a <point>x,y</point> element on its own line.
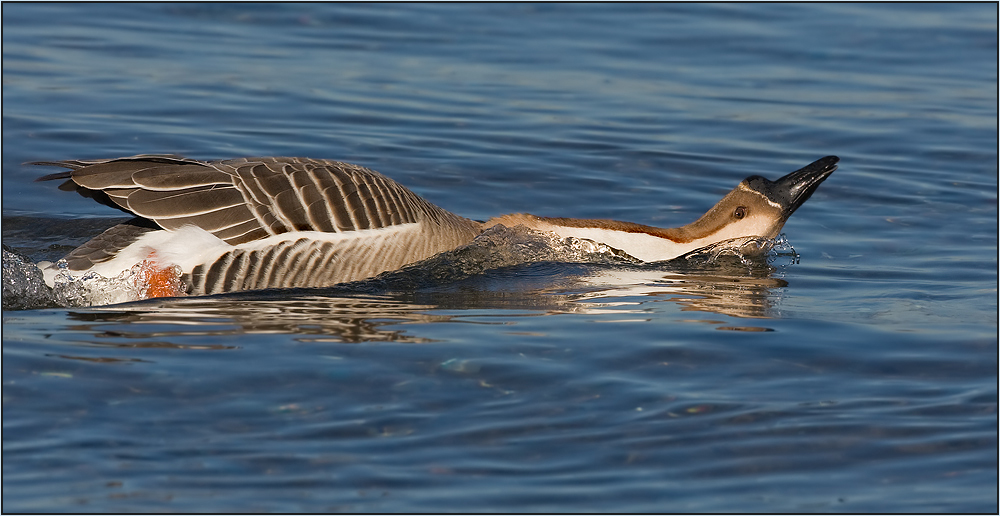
<point>645,247</point>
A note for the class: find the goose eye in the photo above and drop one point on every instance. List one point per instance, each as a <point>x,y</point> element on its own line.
<point>740,212</point>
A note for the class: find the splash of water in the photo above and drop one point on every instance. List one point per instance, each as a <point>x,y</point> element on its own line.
<point>751,252</point>
<point>92,288</point>
<point>23,283</point>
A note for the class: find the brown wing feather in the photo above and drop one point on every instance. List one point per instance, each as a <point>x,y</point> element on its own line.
<point>187,202</point>
<point>246,199</point>
<point>105,246</point>
<point>176,177</point>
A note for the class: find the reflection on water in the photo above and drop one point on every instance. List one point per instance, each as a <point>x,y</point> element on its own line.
<point>311,318</point>
<point>317,315</point>
<point>739,296</point>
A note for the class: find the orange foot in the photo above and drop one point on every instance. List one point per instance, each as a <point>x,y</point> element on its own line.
<point>159,281</point>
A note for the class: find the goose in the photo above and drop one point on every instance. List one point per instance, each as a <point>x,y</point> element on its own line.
<point>207,227</point>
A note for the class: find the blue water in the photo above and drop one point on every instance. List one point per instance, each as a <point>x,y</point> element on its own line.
<point>859,377</point>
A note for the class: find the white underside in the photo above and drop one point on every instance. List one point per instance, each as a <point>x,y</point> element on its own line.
<point>647,248</point>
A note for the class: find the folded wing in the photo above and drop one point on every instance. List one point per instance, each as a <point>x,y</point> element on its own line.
<point>247,199</point>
